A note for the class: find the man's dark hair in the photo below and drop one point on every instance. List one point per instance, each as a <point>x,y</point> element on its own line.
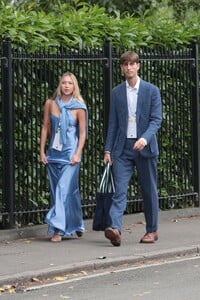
<point>129,56</point>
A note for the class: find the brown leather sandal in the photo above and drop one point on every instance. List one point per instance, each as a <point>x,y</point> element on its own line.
<point>79,233</point>
<point>56,238</point>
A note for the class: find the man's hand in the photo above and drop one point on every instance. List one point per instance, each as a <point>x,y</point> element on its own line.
<point>139,144</point>
<point>107,158</point>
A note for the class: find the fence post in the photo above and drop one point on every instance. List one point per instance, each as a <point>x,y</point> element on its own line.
<point>196,119</point>
<point>107,83</point>
<point>7,135</point>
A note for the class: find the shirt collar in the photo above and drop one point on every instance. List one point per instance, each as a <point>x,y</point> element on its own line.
<point>136,87</point>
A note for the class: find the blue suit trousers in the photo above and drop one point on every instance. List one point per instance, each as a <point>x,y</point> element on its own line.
<point>123,167</point>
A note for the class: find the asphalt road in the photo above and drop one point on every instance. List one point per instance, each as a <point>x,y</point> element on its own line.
<point>176,279</point>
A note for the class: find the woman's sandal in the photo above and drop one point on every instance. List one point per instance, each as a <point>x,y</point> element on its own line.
<point>56,238</point>
<point>79,233</point>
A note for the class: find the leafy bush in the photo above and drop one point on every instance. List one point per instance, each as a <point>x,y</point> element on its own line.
<point>84,25</point>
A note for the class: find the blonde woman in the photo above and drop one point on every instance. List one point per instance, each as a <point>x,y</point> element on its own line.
<point>65,124</point>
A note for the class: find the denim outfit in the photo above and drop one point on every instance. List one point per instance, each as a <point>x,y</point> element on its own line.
<point>65,215</point>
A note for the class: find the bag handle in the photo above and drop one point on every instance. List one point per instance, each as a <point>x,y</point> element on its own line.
<point>107,182</point>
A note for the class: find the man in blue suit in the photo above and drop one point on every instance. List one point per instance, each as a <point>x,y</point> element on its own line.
<point>135,117</point>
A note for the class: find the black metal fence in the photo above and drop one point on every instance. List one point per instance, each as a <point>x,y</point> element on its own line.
<point>27,80</point>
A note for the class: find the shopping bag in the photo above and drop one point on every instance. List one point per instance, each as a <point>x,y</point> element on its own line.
<point>104,196</point>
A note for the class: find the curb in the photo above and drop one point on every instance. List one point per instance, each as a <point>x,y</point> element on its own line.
<point>19,278</point>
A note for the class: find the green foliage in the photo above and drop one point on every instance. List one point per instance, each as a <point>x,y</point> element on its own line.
<point>76,23</point>
<point>166,31</point>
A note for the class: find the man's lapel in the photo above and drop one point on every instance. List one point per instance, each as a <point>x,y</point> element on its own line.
<point>124,105</point>
<point>140,99</point>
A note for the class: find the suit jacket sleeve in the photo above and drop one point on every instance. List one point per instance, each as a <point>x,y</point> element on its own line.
<point>118,117</point>
<point>149,116</point>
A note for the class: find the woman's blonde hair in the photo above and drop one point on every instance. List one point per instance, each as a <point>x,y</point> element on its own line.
<point>76,92</point>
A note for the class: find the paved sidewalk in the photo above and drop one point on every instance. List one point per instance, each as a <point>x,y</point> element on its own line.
<point>27,253</point>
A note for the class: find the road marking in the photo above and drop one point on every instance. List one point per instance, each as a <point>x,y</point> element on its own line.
<point>160,263</point>
<point>147,265</point>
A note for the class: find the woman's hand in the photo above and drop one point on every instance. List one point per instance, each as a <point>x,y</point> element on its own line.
<point>43,158</point>
<point>75,159</point>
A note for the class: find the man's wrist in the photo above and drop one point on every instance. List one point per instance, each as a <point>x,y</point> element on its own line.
<point>144,140</point>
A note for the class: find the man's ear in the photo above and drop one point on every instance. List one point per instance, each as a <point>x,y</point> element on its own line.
<point>122,73</point>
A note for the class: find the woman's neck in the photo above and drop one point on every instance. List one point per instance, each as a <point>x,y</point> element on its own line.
<point>66,98</point>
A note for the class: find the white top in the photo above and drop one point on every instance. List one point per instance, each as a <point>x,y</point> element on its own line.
<point>132,96</point>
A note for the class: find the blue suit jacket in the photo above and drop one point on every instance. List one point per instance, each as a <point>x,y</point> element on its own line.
<point>148,118</point>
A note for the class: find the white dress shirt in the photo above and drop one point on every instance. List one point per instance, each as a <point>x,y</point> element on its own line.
<point>132,96</point>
